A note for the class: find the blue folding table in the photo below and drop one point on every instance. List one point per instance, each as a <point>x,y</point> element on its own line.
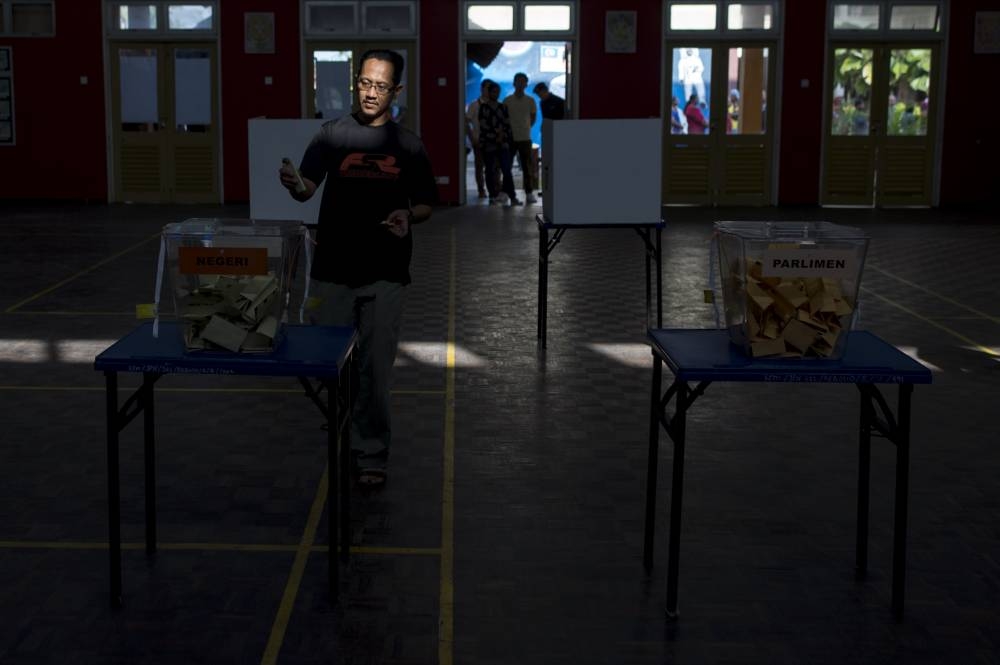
<point>706,356</point>
<point>309,353</point>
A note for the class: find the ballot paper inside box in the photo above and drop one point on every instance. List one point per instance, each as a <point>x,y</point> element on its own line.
<point>790,289</point>
<point>231,280</point>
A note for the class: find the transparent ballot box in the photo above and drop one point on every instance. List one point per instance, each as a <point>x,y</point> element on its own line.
<point>790,289</point>
<point>231,280</point>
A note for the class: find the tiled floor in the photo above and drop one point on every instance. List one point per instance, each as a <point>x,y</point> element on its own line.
<point>511,528</point>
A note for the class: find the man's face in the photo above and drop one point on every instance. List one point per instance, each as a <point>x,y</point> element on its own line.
<point>520,83</point>
<point>494,93</point>
<point>375,106</point>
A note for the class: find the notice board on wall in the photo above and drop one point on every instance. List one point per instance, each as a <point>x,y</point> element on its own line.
<point>6,95</point>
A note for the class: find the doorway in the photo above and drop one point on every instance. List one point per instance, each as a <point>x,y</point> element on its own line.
<point>548,62</point>
<point>879,125</point>
<point>165,122</point>
<point>718,133</point>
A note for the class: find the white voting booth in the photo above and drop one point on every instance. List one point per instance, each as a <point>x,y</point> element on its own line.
<point>269,141</point>
<point>601,171</point>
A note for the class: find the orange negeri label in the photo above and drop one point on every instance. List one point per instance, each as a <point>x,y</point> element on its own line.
<point>222,260</point>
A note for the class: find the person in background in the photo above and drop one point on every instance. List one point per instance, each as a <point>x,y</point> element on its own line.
<point>553,106</point>
<point>379,184</point>
<point>494,136</point>
<point>472,132</point>
<point>697,124</point>
<point>523,112</point>
<point>678,122</point>
<point>733,112</point>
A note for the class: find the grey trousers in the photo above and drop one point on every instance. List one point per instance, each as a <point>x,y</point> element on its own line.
<point>375,310</point>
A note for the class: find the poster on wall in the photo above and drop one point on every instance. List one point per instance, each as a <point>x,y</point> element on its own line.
<point>258,32</point>
<point>619,32</point>
<point>6,97</point>
<point>987,39</point>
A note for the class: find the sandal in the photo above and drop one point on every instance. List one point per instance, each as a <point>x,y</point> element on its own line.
<point>372,477</point>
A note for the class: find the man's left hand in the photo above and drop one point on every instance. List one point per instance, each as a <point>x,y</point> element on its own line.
<point>398,222</point>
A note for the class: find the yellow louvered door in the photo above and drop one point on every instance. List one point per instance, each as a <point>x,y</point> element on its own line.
<point>165,123</point>
<point>879,126</point>
<point>718,134</point>
<point>193,134</point>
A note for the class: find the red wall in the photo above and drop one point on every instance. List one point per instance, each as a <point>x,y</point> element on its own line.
<point>59,127</point>
<point>244,92</point>
<point>619,85</point>
<point>801,107</point>
<point>970,156</point>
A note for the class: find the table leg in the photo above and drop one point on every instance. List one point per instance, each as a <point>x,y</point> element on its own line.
<point>332,494</point>
<point>679,427</point>
<point>902,493</point>
<point>114,490</point>
<point>345,463</point>
<point>647,241</point>
<point>864,483</point>
<point>543,282</point>
<point>659,277</point>
<point>652,460</point>
<point>149,451</point>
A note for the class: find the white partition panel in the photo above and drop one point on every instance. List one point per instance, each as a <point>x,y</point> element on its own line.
<point>601,171</point>
<point>269,141</point>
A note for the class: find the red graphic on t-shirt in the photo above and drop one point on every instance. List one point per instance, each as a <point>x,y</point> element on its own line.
<point>365,165</point>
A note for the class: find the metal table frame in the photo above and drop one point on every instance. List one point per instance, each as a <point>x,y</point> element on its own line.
<point>320,357</point>
<point>653,250</point>
<point>702,357</point>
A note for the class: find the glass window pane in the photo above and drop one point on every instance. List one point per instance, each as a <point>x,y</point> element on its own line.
<point>547,17</point>
<point>137,17</point>
<point>189,17</point>
<point>388,18</point>
<point>138,90</point>
<point>692,17</point>
<point>914,17</point>
<point>855,17</point>
<point>33,18</point>
<point>490,17</point>
<point>338,18</point>
<point>332,83</point>
<point>192,90</point>
<point>852,88</point>
<point>691,88</point>
<point>909,88</point>
<point>750,17</point>
<point>746,101</point>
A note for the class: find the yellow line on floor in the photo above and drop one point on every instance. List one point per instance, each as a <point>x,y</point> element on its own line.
<point>971,342</point>
<point>937,295</point>
<point>199,390</point>
<point>38,312</point>
<point>213,547</point>
<point>69,279</point>
<point>295,576</point>
<point>446,618</point>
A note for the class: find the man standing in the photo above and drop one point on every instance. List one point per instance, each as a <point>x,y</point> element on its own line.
<point>523,113</point>
<point>552,105</point>
<point>379,184</point>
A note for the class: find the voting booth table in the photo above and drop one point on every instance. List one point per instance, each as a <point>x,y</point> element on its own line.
<point>790,293</point>
<point>229,281</point>
<point>600,174</point>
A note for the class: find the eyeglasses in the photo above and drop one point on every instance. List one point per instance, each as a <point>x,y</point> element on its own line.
<point>380,88</point>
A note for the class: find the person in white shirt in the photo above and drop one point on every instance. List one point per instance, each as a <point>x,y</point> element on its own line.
<point>523,112</point>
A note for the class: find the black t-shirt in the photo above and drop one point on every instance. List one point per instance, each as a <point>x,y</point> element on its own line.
<point>370,172</point>
<point>553,107</point>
